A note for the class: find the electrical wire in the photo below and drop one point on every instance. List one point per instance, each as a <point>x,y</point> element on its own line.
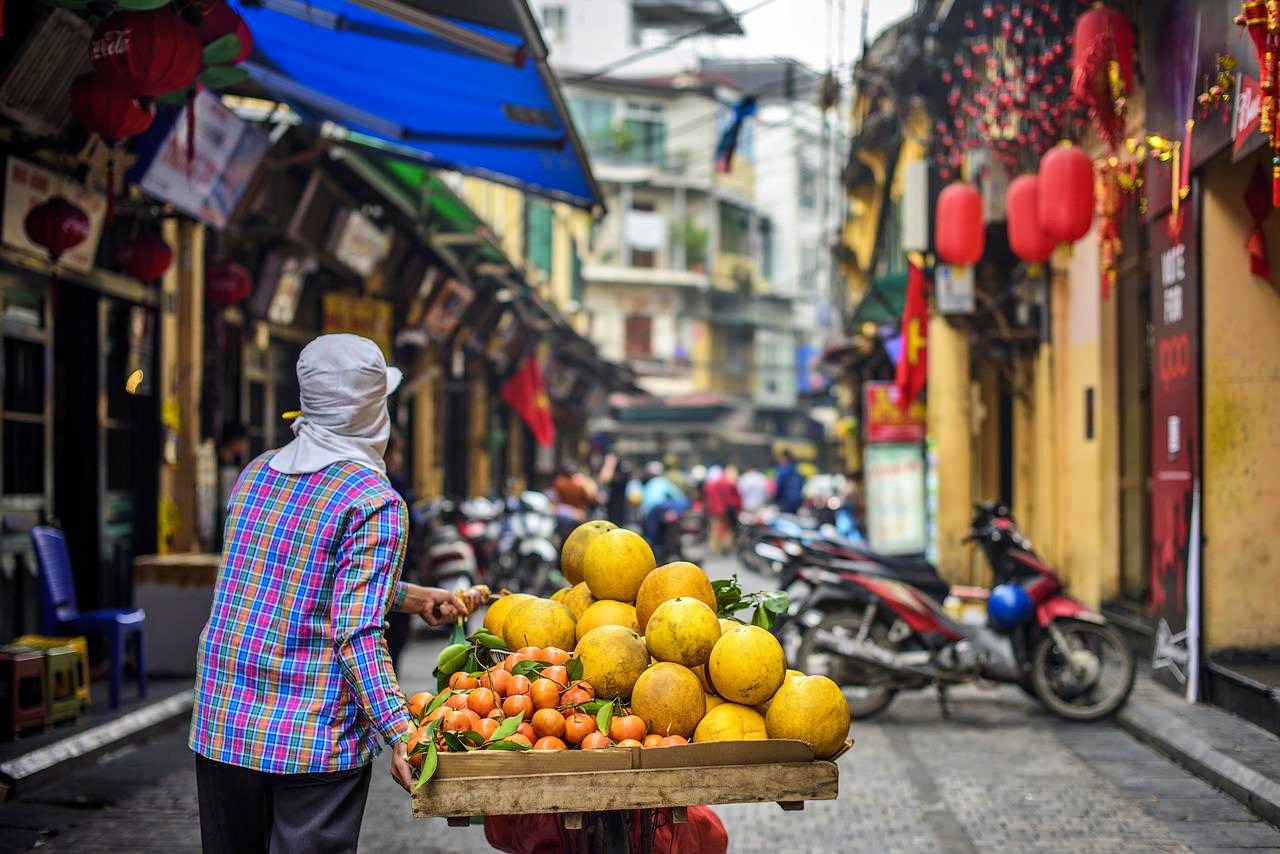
<point>608,67</point>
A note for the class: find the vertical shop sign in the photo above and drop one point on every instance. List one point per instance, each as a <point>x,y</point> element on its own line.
<point>895,475</point>
<point>1176,446</point>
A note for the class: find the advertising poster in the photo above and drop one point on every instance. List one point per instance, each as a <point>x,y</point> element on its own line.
<point>895,479</point>
<point>885,420</point>
<point>26,186</point>
<point>1176,447</point>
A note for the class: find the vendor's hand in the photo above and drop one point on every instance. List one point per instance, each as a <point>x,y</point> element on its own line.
<point>474,597</point>
<point>401,770</point>
<point>439,607</point>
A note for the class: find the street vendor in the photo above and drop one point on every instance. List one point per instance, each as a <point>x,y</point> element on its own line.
<point>294,683</point>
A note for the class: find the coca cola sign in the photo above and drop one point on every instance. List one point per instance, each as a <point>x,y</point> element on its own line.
<point>111,43</point>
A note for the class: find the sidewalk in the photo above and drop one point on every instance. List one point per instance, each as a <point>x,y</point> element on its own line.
<point>1232,754</point>
<point>41,758</point>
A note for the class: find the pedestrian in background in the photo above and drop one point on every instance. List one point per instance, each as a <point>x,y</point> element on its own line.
<point>788,484</point>
<point>293,679</point>
<point>723,505</point>
<point>753,489</point>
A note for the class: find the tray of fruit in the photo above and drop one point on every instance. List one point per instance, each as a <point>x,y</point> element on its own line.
<point>622,692</point>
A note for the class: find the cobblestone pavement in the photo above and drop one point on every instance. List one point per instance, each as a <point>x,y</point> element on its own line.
<point>999,775</point>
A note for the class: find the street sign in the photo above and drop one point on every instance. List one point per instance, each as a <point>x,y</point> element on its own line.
<point>885,420</point>
<point>895,477</point>
<point>953,289</point>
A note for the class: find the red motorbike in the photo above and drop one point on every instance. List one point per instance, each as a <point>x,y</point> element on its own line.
<point>865,625</point>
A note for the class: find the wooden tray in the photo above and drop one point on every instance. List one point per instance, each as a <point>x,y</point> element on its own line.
<point>619,778</point>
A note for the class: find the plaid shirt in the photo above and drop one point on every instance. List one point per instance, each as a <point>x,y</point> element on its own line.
<point>293,674</point>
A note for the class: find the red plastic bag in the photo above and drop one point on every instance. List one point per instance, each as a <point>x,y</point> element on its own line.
<point>703,833</point>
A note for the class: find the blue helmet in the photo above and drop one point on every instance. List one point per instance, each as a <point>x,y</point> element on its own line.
<point>1009,607</point>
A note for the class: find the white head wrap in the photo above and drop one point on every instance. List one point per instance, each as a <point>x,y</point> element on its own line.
<point>343,383</point>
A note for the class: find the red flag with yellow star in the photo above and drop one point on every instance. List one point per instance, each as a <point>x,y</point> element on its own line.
<point>527,395</point>
<point>913,360</point>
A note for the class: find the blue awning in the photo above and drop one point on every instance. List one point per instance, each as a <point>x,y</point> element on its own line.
<point>462,95</point>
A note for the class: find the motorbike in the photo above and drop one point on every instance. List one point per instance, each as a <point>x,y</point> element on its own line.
<point>684,533</point>
<point>876,627</point>
<point>530,559</point>
<point>444,557</point>
<point>481,524</point>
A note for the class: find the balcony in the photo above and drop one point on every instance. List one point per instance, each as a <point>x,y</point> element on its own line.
<point>618,274</point>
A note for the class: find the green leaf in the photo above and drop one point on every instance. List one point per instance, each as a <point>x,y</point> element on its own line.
<point>458,634</point>
<point>528,668</point>
<point>774,601</point>
<point>141,5</point>
<point>223,76</point>
<point>604,717</point>
<point>762,618</point>
<point>471,736</point>
<point>222,50</point>
<point>428,766</point>
<point>507,727</point>
<point>507,745</point>
<point>574,668</point>
<point>488,640</point>
<point>591,707</point>
<point>174,99</point>
<point>439,700</point>
<point>455,742</point>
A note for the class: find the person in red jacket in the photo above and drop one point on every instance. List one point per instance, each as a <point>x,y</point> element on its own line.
<point>723,505</point>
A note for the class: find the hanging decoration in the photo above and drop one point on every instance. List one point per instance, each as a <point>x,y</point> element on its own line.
<point>220,21</point>
<point>145,258</point>
<point>959,231</point>
<point>1261,21</point>
<point>150,52</point>
<point>1218,89</point>
<point>58,225</point>
<point>1102,69</point>
<point>103,107</point>
<point>1007,86</point>
<point>227,284</point>
<point>1027,237</point>
<point>1257,198</point>
<point>1066,193</point>
<point>1118,182</point>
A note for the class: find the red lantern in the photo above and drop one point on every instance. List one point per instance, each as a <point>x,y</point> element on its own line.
<point>1026,235</point>
<point>958,228</point>
<point>57,225</point>
<point>1102,67</point>
<point>145,258</point>
<point>102,106</point>
<point>227,284</point>
<point>151,53</point>
<point>1066,193</point>
<point>221,20</point>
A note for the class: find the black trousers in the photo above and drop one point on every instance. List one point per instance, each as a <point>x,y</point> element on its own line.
<point>243,811</point>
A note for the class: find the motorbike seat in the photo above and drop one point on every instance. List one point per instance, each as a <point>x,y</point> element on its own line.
<point>916,572</point>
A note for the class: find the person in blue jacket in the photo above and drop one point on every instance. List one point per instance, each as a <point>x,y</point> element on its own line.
<point>788,484</point>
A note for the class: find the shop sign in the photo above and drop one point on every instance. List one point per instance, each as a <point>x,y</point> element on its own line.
<point>886,421</point>
<point>953,289</point>
<point>26,186</point>
<point>895,478</point>
<point>209,185</point>
<point>447,309</point>
<point>1248,117</point>
<point>367,316</point>
<point>1176,447</point>
<point>358,242</point>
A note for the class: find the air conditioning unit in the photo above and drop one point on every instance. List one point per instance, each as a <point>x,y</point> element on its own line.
<point>36,91</point>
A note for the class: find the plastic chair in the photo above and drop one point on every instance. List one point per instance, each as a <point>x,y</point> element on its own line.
<point>59,613</point>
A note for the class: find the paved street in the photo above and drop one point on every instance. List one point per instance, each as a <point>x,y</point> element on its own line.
<point>1000,775</point>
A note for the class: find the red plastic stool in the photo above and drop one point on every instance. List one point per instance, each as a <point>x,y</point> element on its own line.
<point>23,690</point>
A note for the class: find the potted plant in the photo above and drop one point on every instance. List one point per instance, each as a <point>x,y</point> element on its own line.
<point>694,240</point>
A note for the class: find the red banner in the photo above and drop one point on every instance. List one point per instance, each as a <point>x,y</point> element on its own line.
<point>1175,443</point>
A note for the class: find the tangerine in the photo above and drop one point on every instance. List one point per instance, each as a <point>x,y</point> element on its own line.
<point>510,662</point>
<point>578,726</point>
<point>673,741</point>
<point>496,714</point>
<point>463,681</point>
<point>457,721</point>
<point>628,742</point>
<point>520,738</point>
<point>533,653</point>
<point>487,728</point>
<point>557,673</point>
<point>545,694</point>
<point>518,685</point>
<point>481,701</point>
<point>419,702</point>
<point>653,739</point>
<point>517,704</point>
<point>526,729</point>
<point>594,741</point>
<point>456,701</point>
<point>555,656</point>
<point>439,713</point>
<point>575,696</point>
<point>549,742</point>
<point>473,720</point>
<point>495,679</point>
<point>627,727</point>
<point>548,722</point>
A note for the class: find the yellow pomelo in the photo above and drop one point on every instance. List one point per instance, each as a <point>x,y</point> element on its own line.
<point>607,612</point>
<point>701,672</point>
<point>747,665</point>
<point>669,581</point>
<point>669,698</point>
<point>763,708</point>
<point>575,547</point>
<point>728,625</point>
<point>730,722</point>
<point>578,599</point>
<point>711,700</point>
<point>539,622</point>
<point>559,595</point>
<point>812,709</point>
<point>613,657</point>
<point>682,630</point>
<point>615,564</point>
<point>497,613</point>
